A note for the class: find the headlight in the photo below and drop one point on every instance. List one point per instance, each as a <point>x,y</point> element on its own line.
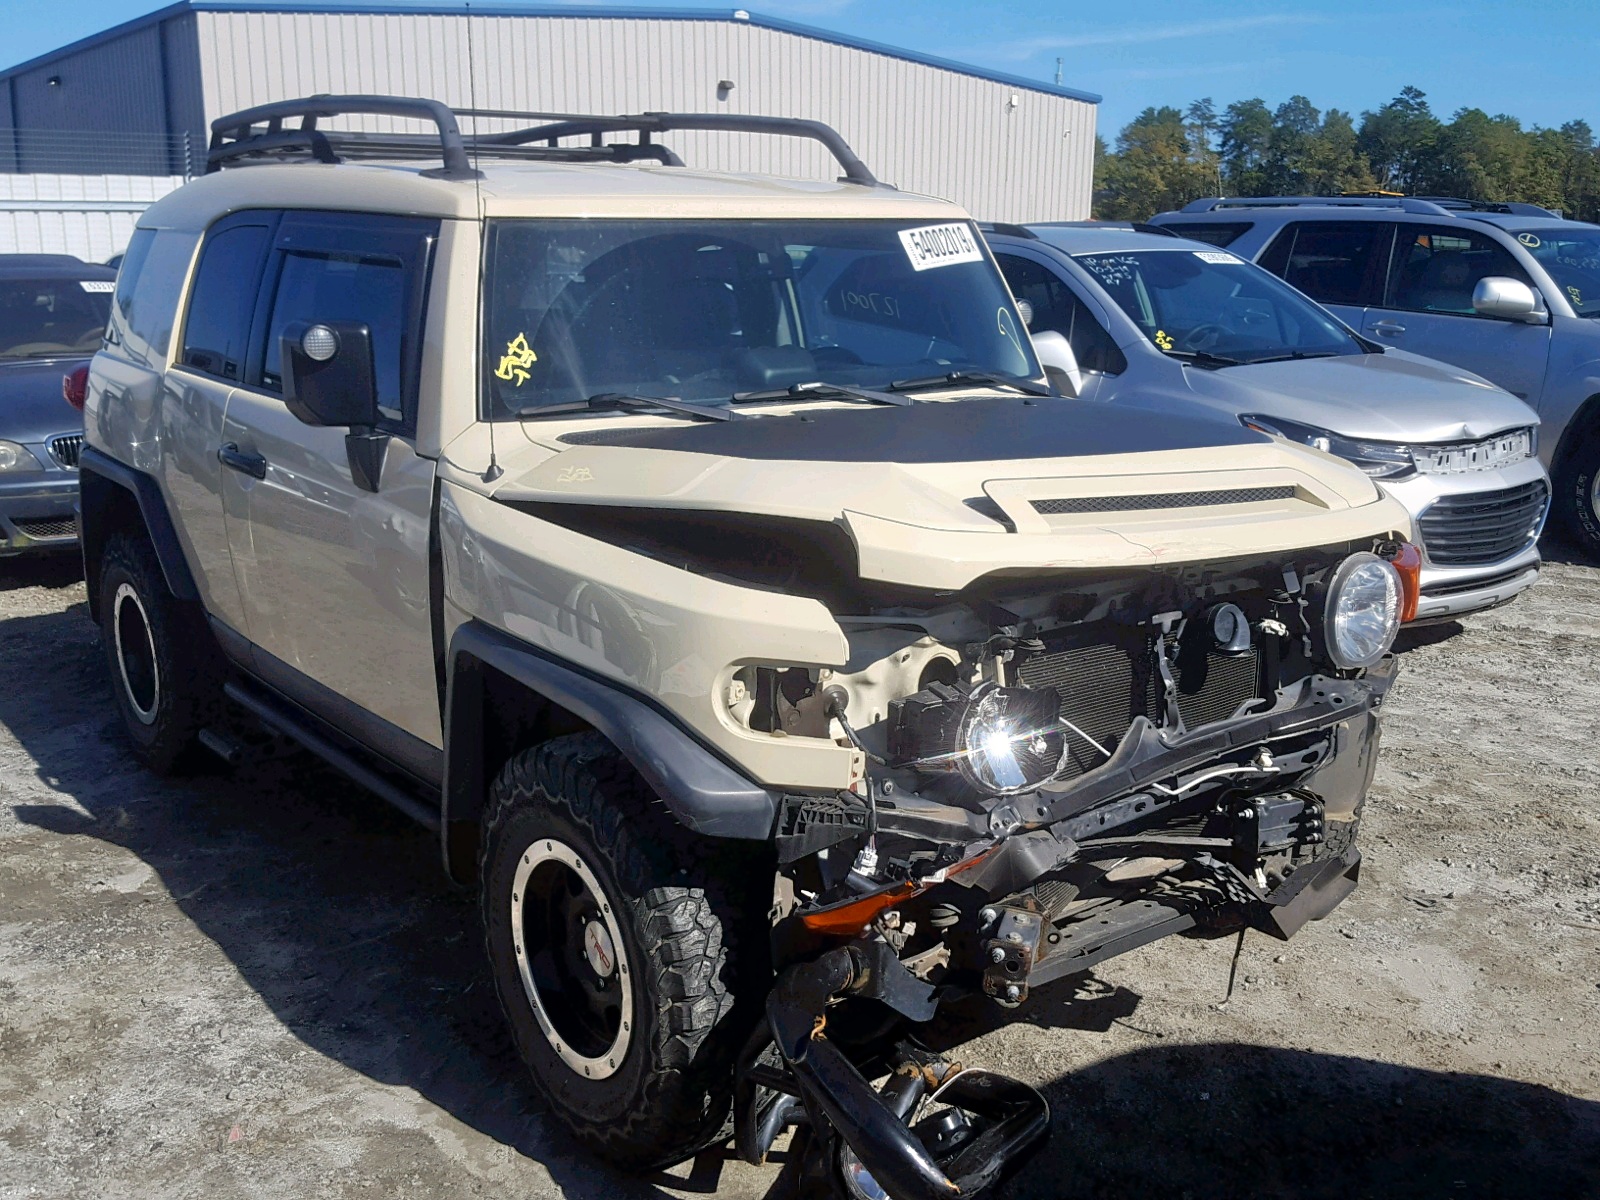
<point>1363,611</point>
<point>1001,739</point>
<point>17,458</point>
<point>1380,460</point>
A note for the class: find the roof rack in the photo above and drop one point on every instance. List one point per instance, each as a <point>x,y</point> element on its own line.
<point>1502,208</point>
<point>1427,205</point>
<point>235,138</point>
<point>1401,203</point>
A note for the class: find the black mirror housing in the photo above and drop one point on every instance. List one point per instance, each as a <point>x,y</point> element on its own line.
<point>340,390</point>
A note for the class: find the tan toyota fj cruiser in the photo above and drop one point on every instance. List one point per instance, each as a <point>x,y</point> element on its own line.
<point>709,560</point>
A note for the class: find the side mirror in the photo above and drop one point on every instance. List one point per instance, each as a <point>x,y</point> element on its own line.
<point>1507,299</point>
<point>328,376</point>
<point>1059,362</point>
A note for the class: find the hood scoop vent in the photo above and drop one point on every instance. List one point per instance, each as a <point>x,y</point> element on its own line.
<point>1069,505</point>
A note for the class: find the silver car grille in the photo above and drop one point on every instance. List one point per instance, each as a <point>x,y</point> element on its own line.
<point>66,448</point>
<point>1479,528</point>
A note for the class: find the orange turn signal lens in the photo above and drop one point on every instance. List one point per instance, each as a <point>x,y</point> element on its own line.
<point>849,917</point>
<point>1408,561</point>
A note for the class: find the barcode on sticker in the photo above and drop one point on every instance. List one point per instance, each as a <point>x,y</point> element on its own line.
<point>1214,256</point>
<point>940,246</point>
<point>97,285</point>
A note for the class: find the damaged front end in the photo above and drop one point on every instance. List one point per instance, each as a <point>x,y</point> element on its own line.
<point>1054,776</point>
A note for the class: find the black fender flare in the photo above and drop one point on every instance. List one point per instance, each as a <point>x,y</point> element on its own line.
<point>700,789</point>
<point>103,482</point>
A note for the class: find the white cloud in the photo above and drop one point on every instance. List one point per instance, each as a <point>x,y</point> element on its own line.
<point>1143,34</point>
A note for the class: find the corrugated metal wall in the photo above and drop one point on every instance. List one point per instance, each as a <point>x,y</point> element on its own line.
<point>919,127</point>
<point>89,216</point>
<point>109,108</point>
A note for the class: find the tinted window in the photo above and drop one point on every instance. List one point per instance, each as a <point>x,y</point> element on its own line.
<point>46,318</point>
<point>705,309</point>
<point>1192,302</point>
<point>1571,254</point>
<point>1334,262</point>
<point>148,285</point>
<point>1057,308</point>
<point>370,289</point>
<point>1436,267</point>
<point>222,299</point>
<point>1217,233</point>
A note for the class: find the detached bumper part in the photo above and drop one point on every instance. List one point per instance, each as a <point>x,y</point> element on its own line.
<point>991,1121</point>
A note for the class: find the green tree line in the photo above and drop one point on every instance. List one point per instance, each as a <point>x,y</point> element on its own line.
<point>1167,157</point>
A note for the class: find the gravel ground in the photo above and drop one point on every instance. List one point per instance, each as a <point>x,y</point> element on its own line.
<point>264,987</point>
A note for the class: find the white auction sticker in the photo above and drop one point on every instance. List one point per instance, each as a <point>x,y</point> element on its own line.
<point>1214,256</point>
<point>940,246</point>
<point>97,285</point>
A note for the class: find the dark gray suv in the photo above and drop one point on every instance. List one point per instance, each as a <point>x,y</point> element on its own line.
<point>1509,291</point>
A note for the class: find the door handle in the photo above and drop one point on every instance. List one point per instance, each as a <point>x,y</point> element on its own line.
<point>1388,328</point>
<point>229,455</point>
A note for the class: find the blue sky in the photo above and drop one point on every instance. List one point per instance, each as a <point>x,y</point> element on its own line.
<point>1534,60</point>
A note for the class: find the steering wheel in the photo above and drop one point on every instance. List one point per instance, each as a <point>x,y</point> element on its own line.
<point>1203,336</point>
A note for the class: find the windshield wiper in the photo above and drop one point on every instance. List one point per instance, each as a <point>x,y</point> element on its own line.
<point>1204,358</point>
<point>959,378</point>
<point>818,390</point>
<point>1296,356</point>
<point>604,401</point>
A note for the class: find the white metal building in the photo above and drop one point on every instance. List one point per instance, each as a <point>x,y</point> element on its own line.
<point>139,98</point>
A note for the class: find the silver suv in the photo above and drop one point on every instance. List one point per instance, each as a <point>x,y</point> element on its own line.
<point>1508,291</point>
<point>706,559</point>
<point>1164,325</point>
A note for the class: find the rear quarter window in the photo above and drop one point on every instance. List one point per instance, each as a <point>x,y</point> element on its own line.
<point>144,308</point>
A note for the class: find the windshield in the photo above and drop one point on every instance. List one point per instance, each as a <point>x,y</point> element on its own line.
<point>48,318</point>
<point>1207,302</point>
<point>702,310</point>
<point>1572,258</point>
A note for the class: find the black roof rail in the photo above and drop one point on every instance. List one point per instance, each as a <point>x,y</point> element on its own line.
<point>646,124</point>
<point>1412,204</point>
<point>234,138</point>
<point>1499,207</point>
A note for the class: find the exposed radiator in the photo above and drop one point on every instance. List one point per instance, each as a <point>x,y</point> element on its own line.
<point>1108,676</point>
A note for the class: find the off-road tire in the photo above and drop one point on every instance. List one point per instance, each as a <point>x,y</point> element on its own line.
<point>1575,492</point>
<point>692,918</point>
<point>184,690</point>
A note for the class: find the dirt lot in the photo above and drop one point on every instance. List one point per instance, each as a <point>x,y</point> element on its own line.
<point>264,987</point>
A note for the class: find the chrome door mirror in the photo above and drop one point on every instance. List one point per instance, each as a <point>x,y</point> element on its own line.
<point>1059,362</point>
<point>1507,299</point>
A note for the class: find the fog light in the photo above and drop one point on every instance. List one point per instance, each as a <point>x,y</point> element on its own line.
<point>1002,739</point>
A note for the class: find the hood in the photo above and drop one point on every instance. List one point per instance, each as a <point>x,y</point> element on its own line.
<point>31,407</point>
<point>941,493</point>
<point>1390,397</point>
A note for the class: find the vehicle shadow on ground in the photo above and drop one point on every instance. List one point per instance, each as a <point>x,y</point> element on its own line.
<point>1556,546</point>
<point>58,569</point>
<point>1222,1121</point>
<point>333,907</point>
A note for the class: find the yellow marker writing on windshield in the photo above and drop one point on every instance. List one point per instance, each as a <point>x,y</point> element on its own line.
<point>519,356</point>
<point>1163,339</point>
